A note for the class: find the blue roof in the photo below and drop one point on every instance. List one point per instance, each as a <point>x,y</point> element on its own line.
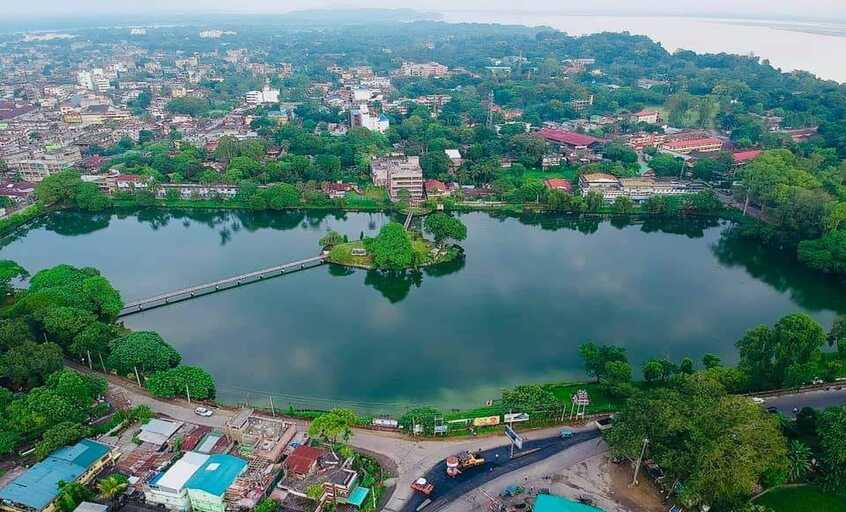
<point>550,503</point>
<point>216,474</point>
<point>357,496</point>
<point>39,485</point>
<point>383,117</point>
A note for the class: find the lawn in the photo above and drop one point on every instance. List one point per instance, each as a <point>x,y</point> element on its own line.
<point>599,401</point>
<point>538,175</point>
<point>802,499</point>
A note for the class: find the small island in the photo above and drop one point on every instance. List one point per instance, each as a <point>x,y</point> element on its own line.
<point>396,248</point>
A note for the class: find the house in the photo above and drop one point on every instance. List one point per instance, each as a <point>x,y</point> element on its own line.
<point>744,157</point>
<point>168,487</point>
<point>685,146</point>
<point>455,159</point>
<point>303,461</point>
<point>36,489</point>
<point>17,191</point>
<point>128,182</point>
<point>569,139</point>
<point>87,506</point>
<point>558,184</point>
<point>436,188</point>
<point>157,432</point>
<point>337,189</point>
<point>198,190</point>
<point>597,182</point>
<point>646,116</point>
<point>209,483</point>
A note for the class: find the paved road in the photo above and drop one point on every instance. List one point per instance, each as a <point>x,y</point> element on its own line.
<point>497,463</point>
<point>817,399</point>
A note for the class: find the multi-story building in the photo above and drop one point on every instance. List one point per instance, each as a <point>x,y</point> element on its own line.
<point>397,173</point>
<point>168,487</point>
<point>638,189</point>
<point>699,145</point>
<point>362,118</point>
<point>35,167</point>
<point>425,69</point>
<point>209,483</point>
<point>36,489</point>
<point>266,95</point>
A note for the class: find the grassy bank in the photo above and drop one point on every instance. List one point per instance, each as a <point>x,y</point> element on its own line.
<point>20,217</point>
<point>806,498</point>
<point>354,254</point>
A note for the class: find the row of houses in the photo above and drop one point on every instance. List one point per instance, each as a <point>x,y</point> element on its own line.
<point>638,189</point>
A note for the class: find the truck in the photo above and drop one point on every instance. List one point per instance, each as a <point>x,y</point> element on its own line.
<point>423,486</point>
<point>456,464</point>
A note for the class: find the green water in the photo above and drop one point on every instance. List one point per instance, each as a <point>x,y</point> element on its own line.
<point>529,291</point>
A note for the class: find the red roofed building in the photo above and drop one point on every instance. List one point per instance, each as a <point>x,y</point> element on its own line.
<point>701,145</point>
<point>558,184</point>
<point>303,461</point>
<point>743,157</point>
<point>17,191</point>
<point>646,116</point>
<point>566,138</point>
<point>337,189</point>
<point>436,188</point>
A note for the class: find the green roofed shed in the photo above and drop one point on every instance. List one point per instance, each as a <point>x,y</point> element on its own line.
<point>358,495</point>
<point>550,503</point>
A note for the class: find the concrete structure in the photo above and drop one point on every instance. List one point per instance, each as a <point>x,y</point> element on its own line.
<point>259,436</point>
<point>37,488</point>
<point>266,95</point>
<point>426,69</point>
<point>37,166</point>
<point>363,118</point>
<point>168,488</point>
<point>209,483</point>
<point>87,506</point>
<point>700,145</point>
<point>637,189</point>
<point>396,173</point>
<point>646,116</point>
<point>157,432</point>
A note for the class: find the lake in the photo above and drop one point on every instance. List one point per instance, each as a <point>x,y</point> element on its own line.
<point>786,44</point>
<point>530,290</point>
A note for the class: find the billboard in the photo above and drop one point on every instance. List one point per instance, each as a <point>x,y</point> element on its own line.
<point>514,437</point>
<point>516,417</point>
<point>486,421</point>
<point>385,423</point>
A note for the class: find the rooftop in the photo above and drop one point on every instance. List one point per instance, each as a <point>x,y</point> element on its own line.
<point>566,137</point>
<point>302,458</point>
<point>158,431</point>
<point>178,475</point>
<point>39,485</point>
<point>550,503</point>
<point>216,474</point>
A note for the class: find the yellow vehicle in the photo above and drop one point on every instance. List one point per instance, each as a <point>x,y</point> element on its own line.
<point>455,464</point>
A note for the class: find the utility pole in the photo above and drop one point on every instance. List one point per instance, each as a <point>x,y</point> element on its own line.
<point>136,376</point>
<point>639,460</point>
<point>272,410</point>
<point>90,365</point>
<point>101,362</point>
<point>188,393</point>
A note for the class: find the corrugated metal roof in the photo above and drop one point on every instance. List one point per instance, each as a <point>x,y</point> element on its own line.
<point>217,474</point>
<point>550,503</point>
<point>178,474</point>
<point>39,485</point>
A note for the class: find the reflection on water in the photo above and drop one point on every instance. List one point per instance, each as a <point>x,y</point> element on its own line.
<point>529,290</point>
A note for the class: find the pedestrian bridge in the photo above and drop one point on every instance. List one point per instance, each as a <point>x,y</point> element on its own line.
<point>219,285</point>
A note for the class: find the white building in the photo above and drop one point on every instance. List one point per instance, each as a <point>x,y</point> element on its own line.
<point>37,166</point>
<point>266,95</point>
<point>168,488</point>
<point>396,173</point>
<point>425,69</point>
<point>362,118</point>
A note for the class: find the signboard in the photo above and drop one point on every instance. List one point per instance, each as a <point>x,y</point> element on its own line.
<point>385,423</point>
<point>514,437</point>
<point>581,398</point>
<point>486,421</point>
<point>440,429</point>
<point>516,417</point>
<point>463,420</point>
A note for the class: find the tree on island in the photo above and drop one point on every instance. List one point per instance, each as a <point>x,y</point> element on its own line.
<point>445,227</point>
<point>391,249</point>
<point>331,239</point>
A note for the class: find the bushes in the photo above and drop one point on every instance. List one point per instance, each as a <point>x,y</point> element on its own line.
<point>173,382</point>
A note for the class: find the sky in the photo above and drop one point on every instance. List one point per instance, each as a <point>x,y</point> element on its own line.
<point>820,10</point>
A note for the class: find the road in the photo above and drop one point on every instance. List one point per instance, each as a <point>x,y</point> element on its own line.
<point>497,463</point>
<point>817,399</point>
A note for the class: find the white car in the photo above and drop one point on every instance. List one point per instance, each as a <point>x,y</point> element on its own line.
<point>202,411</point>
<point>758,400</point>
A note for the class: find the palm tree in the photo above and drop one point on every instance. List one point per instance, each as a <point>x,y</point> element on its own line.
<point>112,486</point>
<point>798,460</point>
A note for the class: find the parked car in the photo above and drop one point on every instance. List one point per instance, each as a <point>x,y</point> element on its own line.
<point>758,400</point>
<point>565,433</point>
<point>204,412</point>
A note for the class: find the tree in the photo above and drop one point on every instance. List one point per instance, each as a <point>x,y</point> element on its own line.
<point>9,271</point>
<point>59,188</point>
<point>81,390</point>
<point>652,371</point>
<point>434,164</point>
<point>798,460</point>
<point>445,227</point>
<point>718,444</point>
<point>59,435</point>
<point>91,199</point>
<point>331,239</point>
<point>831,431</point>
<point>666,165</point>
<point>596,357</point>
<point>63,323</point>
<point>593,201</point>
<point>528,398</point>
<point>827,254</point>
<point>686,366</point>
<point>29,363</point>
<point>281,196</point>
<point>189,105</point>
<point>270,505</point>
<point>528,149</point>
<point>711,361</point>
<point>424,416</point>
<point>333,426</point>
<point>182,380</point>
<point>71,494</point>
<point>623,205</point>
<point>144,350</point>
<point>112,486</point>
<point>617,379</point>
<point>391,249</point>
<point>93,341</point>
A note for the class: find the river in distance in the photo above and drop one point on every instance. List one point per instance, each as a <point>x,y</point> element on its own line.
<point>515,310</point>
<point>785,44</point>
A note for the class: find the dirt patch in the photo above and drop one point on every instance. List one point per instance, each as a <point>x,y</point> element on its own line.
<point>643,497</point>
